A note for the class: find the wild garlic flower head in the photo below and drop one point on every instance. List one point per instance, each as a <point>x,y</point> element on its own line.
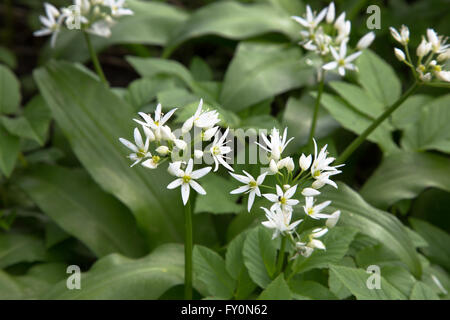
<point>162,144</point>
<point>432,54</point>
<point>92,16</point>
<point>280,221</point>
<point>328,37</point>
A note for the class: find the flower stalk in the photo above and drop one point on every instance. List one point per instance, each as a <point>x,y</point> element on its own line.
<point>359,140</point>
<point>94,58</point>
<point>316,107</point>
<point>281,254</point>
<point>188,245</point>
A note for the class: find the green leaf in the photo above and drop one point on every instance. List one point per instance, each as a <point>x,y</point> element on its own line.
<point>309,290</point>
<point>152,23</point>
<point>118,278</point>
<point>432,131</point>
<point>437,250</point>
<point>15,248</point>
<point>378,78</point>
<point>9,91</point>
<point>278,289</point>
<point>355,121</point>
<point>216,202</point>
<point>404,175</point>
<point>210,269</point>
<point>144,90</point>
<point>93,123</point>
<point>83,210</point>
<point>356,281</point>
<point>234,21</point>
<point>7,57</point>
<point>9,151</point>
<point>200,70</point>
<point>423,292</point>
<point>337,242</point>
<point>383,226</point>
<point>259,256</point>
<point>409,111</point>
<point>336,286</point>
<point>259,71</point>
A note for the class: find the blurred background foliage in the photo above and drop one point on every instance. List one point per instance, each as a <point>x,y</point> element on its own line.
<point>68,197</point>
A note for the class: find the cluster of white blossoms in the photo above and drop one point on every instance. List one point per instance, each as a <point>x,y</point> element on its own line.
<point>160,143</point>
<point>432,53</point>
<point>328,37</point>
<point>93,16</point>
<point>314,172</point>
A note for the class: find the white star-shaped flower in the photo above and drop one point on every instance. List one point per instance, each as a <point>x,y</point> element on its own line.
<point>139,148</point>
<point>276,145</point>
<point>280,221</point>
<point>251,186</point>
<point>201,119</point>
<point>157,125</point>
<point>315,211</point>
<point>219,149</point>
<point>341,62</point>
<point>282,199</point>
<point>311,20</point>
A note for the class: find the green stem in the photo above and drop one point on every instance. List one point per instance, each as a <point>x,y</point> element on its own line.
<point>316,108</point>
<point>281,256</point>
<point>357,142</point>
<point>97,66</point>
<point>188,244</point>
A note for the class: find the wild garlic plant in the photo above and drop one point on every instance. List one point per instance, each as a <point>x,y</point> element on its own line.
<point>161,144</point>
<point>328,37</point>
<point>89,16</point>
<point>313,172</point>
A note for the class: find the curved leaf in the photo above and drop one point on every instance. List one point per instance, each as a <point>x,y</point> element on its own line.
<point>15,248</point>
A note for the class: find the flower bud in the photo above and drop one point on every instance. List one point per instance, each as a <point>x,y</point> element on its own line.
<point>330,13</point>
<point>180,144</point>
<point>273,166</point>
<point>399,54</point>
<point>149,133</point>
<point>366,41</point>
<point>310,192</point>
<point>187,125</point>
<point>198,154</point>
<point>209,133</point>
<point>444,56</point>
<point>162,150</point>
<point>305,162</point>
<point>333,219</point>
<point>423,49</point>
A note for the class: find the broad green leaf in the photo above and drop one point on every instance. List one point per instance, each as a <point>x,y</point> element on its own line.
<point>120,278</point>
<point>83,210</point>
<point>152,23</point>
<point>93,123</point>
<point>16,247</point>
<point>259,256</point>
<point>261,70</point>
<point>337,242</point>
<point>358,98</point>
<point>410,111</point>
<point>292,7</point>
<point>7,57</point>
<point>437,250</point>
<point>9,91</point>
<point>400,278</point>
<point>423,292</point>
<point>216,202</point>
<point>142,91</point>
<point>378,78</point>
<point>278,289</point>
<point>233,20</point>
<point>309,290</point>
<point>432,131</point>
<point>9,151</point>
<point>355,121</point>
<point>356,281</point>
<point>210,269</point>
<point>378,224</point>
<point>378,254</point>
<point>404,175</point>
<point>200,70</point>
<point>336,286</point>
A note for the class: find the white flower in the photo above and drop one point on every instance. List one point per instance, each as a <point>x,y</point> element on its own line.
<point>365,41</point>
<point>117,9</point>
<point>438,43</point>
<point>276,145</point>
<point>287,163</point>
<point>280,221</point>
<point>51,23</point>
<point>181,144</point>
<point>311,20</point>
<point>341,61</point>
<point>324,178</point>
<point>201,119</point>
<point>273,166</point>
<point>305,162</point>
<point>330,13</point>
<point>315,211</point>
<point>187,180</point>
<point>443,75</point>
<point>399,54</point>
<point>333,219</point>
<point>198,154</point>
<point>444,56</point>
<point>310,192</point>
<point>209,133</point>
<point>101,28</point>
<point>282,199</point>
<point>157,125</point>
<point>219,149</point>
<point>402,37</point>
<point>251,186</point>
<point>424,48</point>
<point>175,168</point>
<point>321,169</point>
<point>313,242</point>
<point>162,150</point>
<point>139,148</point>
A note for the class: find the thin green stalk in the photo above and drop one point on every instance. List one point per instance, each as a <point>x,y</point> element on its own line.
<point>188,244</point>
<point>281,256</point>
<point>316,108</point>
<point>357,142</point>
<point>94,58</point>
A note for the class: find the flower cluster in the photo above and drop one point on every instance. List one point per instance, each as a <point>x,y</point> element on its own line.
<point>432,53</point>
<point>93,16</point>
<point>160,143</point>
<point>328,37</point>
<point>314,172</point>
